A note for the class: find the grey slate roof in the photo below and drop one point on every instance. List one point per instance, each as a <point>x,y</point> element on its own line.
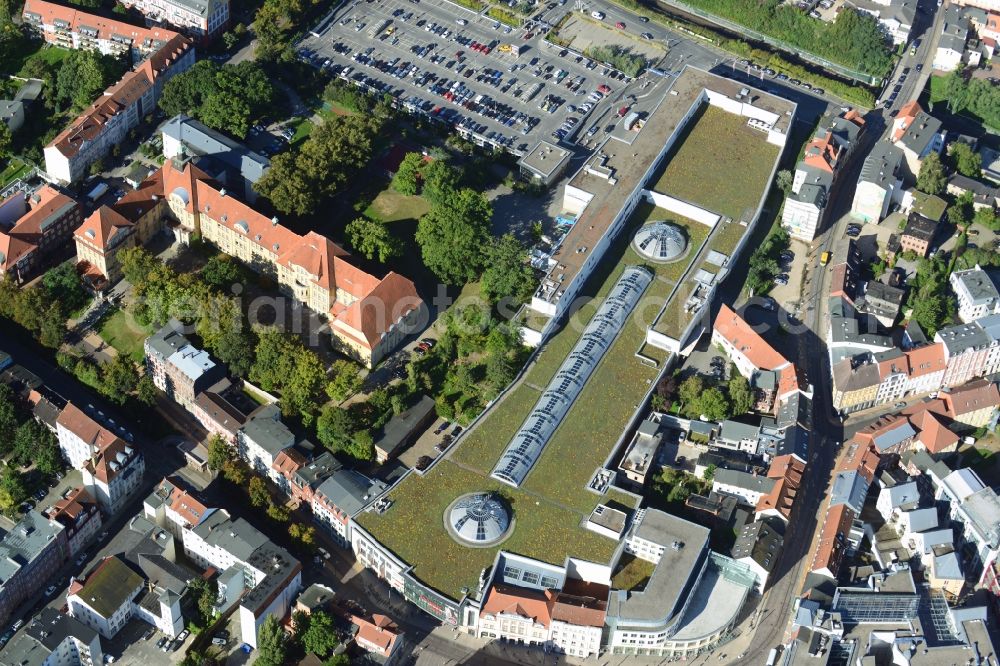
<point>760,541</point>
<point>947,566</point>
<point>730,477</point>
<point>849,488</point>
<point>25,542</point>
<point>962,337</point>
<point>922,130</point>
<point>919,226</point>
<point>881,164</point>
<point>735,431</point>
<point>903,493</point>
<point>922,520</point>
<point>668,587</point>
<point>402,425</point>
<point>35,645</point>
<point>983,508</point>
<point>201,140</point>
<point>902,431</point>
<point>980,285</point>
<point>237,537</point>
<point>270,434</point>
<point>349,490</point>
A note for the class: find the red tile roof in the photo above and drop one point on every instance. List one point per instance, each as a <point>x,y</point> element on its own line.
<point>787,470</point>
<point>907,114</point>
<point>68,509</point>
<point>861,457</point>
<point>971,397</point>
<point>106,28</point>
<point>741,335</point>
<point>833,540</point>
<point>84,427</point>
<point>380,631</point>
<point>520,601</point>
<point>933,434</point>
<point>579,611</point>
<point>926,360</point>
<point>106,464</point>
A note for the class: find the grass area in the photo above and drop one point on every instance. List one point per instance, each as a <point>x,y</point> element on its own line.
<point>391,206</point>
<point>674,319</point>
<point>721,165</point>
<point>534,320</point>
<point>614,495</point>
<point>124,333</point>
<point>414,529</point>
<point>727,237</point>
<point>482,446</point>
<point>304,126</point>
<point>938,92</point>
<point>16,168</point>
<point>929,205</point>
<point>632,573</point>
<point>51,55</point>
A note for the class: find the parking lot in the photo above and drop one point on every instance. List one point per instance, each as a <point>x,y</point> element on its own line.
<point>458,66</point>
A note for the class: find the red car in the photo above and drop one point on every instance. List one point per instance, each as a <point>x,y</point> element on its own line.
<point>620,25</point>
<point>603,89</point>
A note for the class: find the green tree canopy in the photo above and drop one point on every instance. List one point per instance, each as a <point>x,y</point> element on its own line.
<point>320,637</point>
<point>229,98</point>
<point>373,239</point>
<point>740,394</point>
<point>508,275</point>
<point>63,284</point>
<point>932,179</point>
<point>966,161</point>
<point>272,647</point>
<point>454,234</point>
<point>407,177</point>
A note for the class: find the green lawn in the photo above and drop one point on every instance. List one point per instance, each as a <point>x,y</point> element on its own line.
<point>124,333</point>
<point>414,529</point>
<point>391,206</point>
<point>721,165</point>
<point>632,573</point>
<point>15,169</point>
<point>483,446</point>
<point>51,55</point>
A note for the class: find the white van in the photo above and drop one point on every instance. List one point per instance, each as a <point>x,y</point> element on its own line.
<point>597,15</point>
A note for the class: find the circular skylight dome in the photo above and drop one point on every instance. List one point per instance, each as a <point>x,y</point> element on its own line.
<point>478,519</point>
<point>660,242</point>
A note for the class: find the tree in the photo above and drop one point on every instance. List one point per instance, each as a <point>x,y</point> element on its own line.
<point>966,161</point>
<point>956,91</point>
<point>271,644</point>
<point>47,457</point>
<point>929,313</point>
<point>500,371</point>
<point>709,472</point>
<point>235,471</point>
<point>713,404</point>
<point>219,452</point>
<point>932,179</point>
<point>320,637</point>
<point>987,217</point>
<point>960,212</point>
<point>145,391</point>
<point>440,181</point>
<point>52,326</point>
<point>690,390</point>
<point>277,512</point>
<point>82,76</point>
<point>6,141</point>
<point>235,348</point>
<point>740,394</point>
<point>335,427</point>
<point>13,490</point>
<point>30,437</point>
<point>285,365</point>
<point>230,97</point>
<point>784,181</point>
<point>259,494</point>
<point>407,177</point>
<point>119,378</point>
<point>453,235</point>
<point>345,380</point>
<point>508,275</point>
<point>373,239</point>
<point>63,284</point>
<point>8,417</point>
<point>204,593</point>
<point>300,180</point>
<point>222,272</point>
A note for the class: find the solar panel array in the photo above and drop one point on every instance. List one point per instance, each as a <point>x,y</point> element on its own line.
<point>527,445</point>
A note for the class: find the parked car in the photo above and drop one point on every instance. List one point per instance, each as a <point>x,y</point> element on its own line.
<point>50,590</point>
<point>163,641</point>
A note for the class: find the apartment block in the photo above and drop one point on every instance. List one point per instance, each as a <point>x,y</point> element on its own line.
<point>177,367</point>
<point>30,554</point>
<point>33,226</point>
<point>202,20</point>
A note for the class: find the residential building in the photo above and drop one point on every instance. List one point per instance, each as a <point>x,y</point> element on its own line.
<point>895,16</point>
<point>880,184</point>
<point>881,301</point>
<point>855,385</point>
<point>202,20</point>
<point>112,473</point>
<point>824,156</point>
<point>53,639</point>
<point>640,456</point>
<point>983,195</point>
<point>262,438</point>
<point>368,316</point>
<point>158,55</point>
<point>786,471</point>
<point>81,438</point>
<point>758,546</point>
<point>223,409</point>
<point>177,367</point>
<point>174,508</point>
<point>918,134</point>
<point>80,515</point>
<point>229,163</point>
<point>833,541</point>
<point>967,350</point>
<point>972,405</point>
<point>379,636</point>
<point>945,571</point>
<point>403,428</point>
<point>918,235</point>
<point>29,555</point>
<point>893,501</point>
<point>258,575</point>
<point>954,35</point>
<point>976,292</point>
<point>749,488</point>
<point>754,357</point>
<point>33,226</point>
<point>341,497</point>
<point>103,600</point>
